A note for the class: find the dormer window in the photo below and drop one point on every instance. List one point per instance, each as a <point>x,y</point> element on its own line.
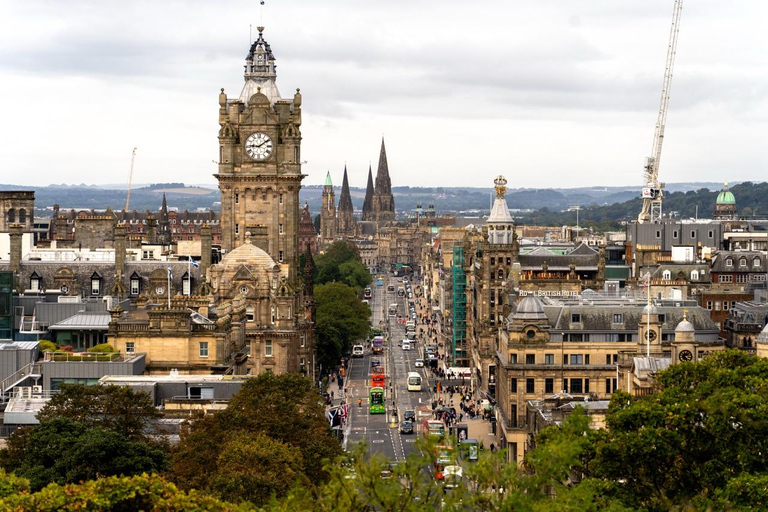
<point>95,284</point>
<point>756,262</point>
<point>728,262</point>
<point>34,282</point>
<point>742,262</point>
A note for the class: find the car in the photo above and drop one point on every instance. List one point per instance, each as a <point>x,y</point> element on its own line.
<point>409,416</point>
<point>406,427</point>
<point>419,363</point>
<point>413,315</point>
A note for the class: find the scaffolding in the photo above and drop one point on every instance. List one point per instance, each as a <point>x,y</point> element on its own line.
<point>459,307</point>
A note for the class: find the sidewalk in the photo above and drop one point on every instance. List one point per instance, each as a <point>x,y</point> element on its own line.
<point>478,428</point>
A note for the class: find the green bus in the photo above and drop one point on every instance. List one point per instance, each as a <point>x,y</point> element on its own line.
<point>376,401</point>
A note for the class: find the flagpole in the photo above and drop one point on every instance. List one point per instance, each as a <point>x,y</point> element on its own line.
<point>169,288</point>
<point>189,275</point>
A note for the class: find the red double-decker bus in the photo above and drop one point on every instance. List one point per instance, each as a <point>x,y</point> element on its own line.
<point>378,377</point>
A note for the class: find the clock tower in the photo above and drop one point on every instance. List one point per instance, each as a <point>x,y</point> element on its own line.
<point>649,331</point>
<point>260,162</point>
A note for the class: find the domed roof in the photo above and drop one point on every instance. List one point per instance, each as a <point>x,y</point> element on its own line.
<point>247,254</point>
<point>684,326</point>
<point>530,308</point>
<point>726,196</point>
<point>650,309</point>
<point>763,336</point>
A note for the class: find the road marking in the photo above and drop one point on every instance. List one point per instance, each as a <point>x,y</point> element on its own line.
<point>377,440</point>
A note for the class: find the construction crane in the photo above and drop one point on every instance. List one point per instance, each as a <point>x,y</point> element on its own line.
<point>130,182</point>
<point>653,190</point>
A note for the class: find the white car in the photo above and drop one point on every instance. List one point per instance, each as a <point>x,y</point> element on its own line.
<point>419,363</point>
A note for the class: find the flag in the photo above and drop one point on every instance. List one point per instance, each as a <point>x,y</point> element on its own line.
<point>194,263</point>
<point>344,410</point>
<point>170,275</point>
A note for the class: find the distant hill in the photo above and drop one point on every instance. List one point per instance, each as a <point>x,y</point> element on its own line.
<point>602,207</point>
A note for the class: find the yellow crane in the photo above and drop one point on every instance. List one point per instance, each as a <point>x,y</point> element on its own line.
<point>652,192</point>
<point>130,182</point>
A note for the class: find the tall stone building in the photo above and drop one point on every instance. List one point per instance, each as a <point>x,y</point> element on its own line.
<point>368,214</point>
<point>260,161</point>
<point>383,201</point>
<point>346,220</point>
<point>328,213</point>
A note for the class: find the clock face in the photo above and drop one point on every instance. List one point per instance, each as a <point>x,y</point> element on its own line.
<point>258,146</point>
<point>244,290</point>
<point>685,355</point>
<point>650,335</point>
<point>160,290</point>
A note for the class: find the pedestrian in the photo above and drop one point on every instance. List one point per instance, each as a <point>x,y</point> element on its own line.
<point>493,448</point>
<point>331,395</point>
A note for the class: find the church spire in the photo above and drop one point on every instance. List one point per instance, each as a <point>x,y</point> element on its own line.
<point>260,71</point>
<point>368,203</point>
<point>383,201</point>
<point>346,210</point>
<point>345,200</point>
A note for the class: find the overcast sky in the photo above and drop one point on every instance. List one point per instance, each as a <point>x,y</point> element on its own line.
<point>549,93</point>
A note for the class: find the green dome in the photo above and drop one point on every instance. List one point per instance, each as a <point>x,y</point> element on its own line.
<point>726,197</point>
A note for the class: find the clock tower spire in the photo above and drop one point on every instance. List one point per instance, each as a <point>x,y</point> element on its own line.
<point>260,162</point>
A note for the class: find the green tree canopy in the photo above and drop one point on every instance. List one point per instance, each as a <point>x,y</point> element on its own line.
<point>113,493</point>
<point>340,318</point>
<point>705,427</point>
<point>63,451</point>
<point>115,408</point>
<point>280,415</point>
<point>340,262</point>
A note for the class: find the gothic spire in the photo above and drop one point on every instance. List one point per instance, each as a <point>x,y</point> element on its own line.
<point>368,203</point>
<point>383,183</point>
<point>345,200</point>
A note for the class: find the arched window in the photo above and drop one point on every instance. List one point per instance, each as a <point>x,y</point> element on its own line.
<point>694,275</point>
<point>250,314</point>
<point>22,216</point>
<point>501,274</point>
<point>728,262</point>
<point>742,262</point>
<point>756,262</point>
<point>12,215</point>
<point>666,275</point>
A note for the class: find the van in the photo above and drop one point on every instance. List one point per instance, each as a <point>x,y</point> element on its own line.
<point>406,345</point>
<point>410,335</point>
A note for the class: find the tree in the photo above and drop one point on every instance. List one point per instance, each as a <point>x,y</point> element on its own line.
<point>706,427</point>
<point>114,493</point>
<point>286,410</point>
<point>254,467</point>
<point>341,318</point>
<point>63,451</point>
<point>341,262</point>
<point>115,408</point>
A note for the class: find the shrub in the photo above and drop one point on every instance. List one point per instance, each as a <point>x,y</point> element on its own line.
<point>102,349</point>
<point>47,346</point>
<point>66,348</point>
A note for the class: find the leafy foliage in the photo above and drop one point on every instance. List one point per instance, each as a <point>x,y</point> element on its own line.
<point>64,451</point>
<point>115,408</point>
<point>113,493</point>
<point>706,427</point>
<point>273,433</point>
<point>341,263</point>
<point>340,318</point>
<point>104,348</point>
<point>47,346</point>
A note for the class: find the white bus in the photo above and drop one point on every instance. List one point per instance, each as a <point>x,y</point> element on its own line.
<point>357,350</point>
<point>414,381</point>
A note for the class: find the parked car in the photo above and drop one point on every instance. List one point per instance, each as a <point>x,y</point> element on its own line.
<point>406,427</point>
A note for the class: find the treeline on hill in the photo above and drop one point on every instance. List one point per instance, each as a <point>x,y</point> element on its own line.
<point>751,201</point>
<point>698,443</point>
